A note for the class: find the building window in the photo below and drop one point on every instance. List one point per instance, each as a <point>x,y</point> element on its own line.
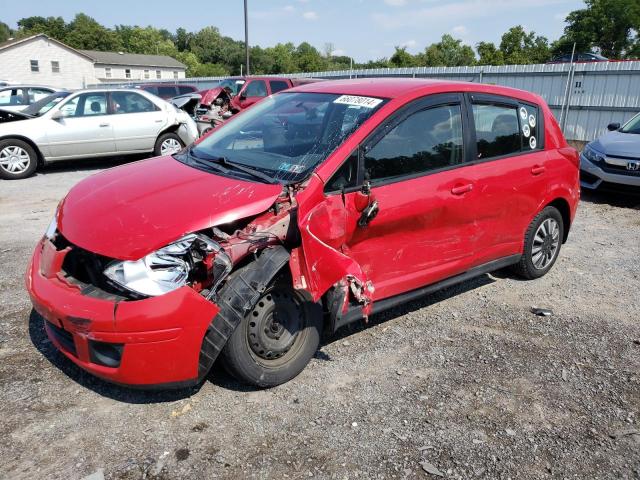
<point>158,74</point>
<point>55,66</point>
<point>127,73</point>
<point>146,74</point>
<point>175,75</point>
<point>107,72</point>
<point>34,66</point>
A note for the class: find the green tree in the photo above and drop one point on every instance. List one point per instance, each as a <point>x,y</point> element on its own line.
<point>211,70</point>
<point>489,54</point>
<point>283,58</point>
<point>606,25</point>
<point>402,58</point>
<point>5,32</point>
<point>448,52</point>
<point>308,58</point>
<point>182,38</point>
<point>54,27</point>
<point>519,47</point>
<point>146,40</point>
<point>207,45</point>
<point>85,33</point>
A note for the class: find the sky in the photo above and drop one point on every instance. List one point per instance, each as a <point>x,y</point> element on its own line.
<point>362,29</point>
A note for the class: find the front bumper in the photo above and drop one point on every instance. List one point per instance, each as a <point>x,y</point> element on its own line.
<point>592,176</point>
<point>159,338</point>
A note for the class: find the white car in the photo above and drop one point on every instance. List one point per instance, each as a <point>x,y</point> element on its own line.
<point>19,97</point>
<point>90,123</point>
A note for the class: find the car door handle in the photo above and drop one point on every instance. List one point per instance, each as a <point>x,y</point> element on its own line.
<point>158,121</point>
<point>462,189</point>
<point>537,170</point>
<point>104,125</point>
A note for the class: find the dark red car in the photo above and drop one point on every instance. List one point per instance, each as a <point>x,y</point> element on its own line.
<point>315,208</point>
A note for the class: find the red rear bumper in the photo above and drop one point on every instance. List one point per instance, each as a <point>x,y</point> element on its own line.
<point>159,337</point>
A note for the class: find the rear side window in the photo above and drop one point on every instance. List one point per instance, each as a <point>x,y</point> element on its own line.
<point>166,92</point>
<point>428,140</point>
<point>497,130</point>
<point>278,86</point>
<point>185,89</point>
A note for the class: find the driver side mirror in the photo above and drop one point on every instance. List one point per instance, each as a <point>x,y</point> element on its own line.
<point>612,127</point>
<point>243,95</point>
<point>57,115</point>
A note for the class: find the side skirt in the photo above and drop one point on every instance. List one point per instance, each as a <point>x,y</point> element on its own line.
<point>355,313</point>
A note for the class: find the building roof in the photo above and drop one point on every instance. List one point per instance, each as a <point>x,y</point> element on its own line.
<point>134,59</point>
<point>111,58</point>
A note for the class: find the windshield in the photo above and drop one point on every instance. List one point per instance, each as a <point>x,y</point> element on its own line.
<point>632,126</point>
<point>233,84</point>
<point>287,135</point>
<point>47,103</point>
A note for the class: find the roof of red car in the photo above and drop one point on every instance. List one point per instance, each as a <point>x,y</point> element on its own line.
<point>398,87</point>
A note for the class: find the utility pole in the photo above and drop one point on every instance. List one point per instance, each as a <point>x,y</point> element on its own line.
<point>246,37</point>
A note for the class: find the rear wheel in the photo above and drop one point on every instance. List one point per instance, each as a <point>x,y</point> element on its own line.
<point>18,159</point>
<point>168,144</point>
<point>542,243</point>
<point>276,340</point>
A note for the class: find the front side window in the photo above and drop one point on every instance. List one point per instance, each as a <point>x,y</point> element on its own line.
<point>232,85</point>
<point>55,66</point>
<point>35,67</point>
<point>86,105</point>
<point>497,130</point>
<point>285,136</point>
<point>425,141</point>
<point>130,102</point>
<point>256,88</point>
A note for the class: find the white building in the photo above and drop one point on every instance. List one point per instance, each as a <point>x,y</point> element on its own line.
<point>42,60</point>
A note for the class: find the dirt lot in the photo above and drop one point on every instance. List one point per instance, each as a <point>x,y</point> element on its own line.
<point>468,380</point>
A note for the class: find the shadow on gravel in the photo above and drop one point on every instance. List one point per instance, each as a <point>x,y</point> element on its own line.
<point>122,394</point>
<point>409,307</point>
<point>623,199</point>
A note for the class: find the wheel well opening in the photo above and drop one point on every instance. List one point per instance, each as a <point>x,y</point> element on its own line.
<point>563,207</point>
<point>31,143</point>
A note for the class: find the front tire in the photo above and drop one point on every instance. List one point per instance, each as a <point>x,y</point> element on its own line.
<point>168,144</point>
<point>276,340</point>
<point>18,159</point>
<point>542,242</point>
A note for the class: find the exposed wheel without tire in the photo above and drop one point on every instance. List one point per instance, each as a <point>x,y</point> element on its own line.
<point>542,242</point>
<point>18,159</point>
<point>276,340</point>
<point>168,144</point>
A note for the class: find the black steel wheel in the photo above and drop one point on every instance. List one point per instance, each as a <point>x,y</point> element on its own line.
<point>276,340</point>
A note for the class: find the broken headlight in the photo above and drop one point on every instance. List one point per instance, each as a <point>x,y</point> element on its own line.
<point>164,270</point>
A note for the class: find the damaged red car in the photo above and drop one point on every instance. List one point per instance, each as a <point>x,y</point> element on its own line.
<point>315,208</point>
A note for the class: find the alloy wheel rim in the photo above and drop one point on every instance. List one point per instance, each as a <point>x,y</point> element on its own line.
<point>169,146</point>
<point>545,244</point>
<point>14,160</point>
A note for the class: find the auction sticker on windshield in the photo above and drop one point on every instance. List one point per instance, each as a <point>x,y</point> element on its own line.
<point>358,101</point>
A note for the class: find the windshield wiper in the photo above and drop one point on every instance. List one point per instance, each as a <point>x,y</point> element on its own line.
<point>243,168</point>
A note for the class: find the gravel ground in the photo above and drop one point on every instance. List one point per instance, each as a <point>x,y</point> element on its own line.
<point>467,383</point>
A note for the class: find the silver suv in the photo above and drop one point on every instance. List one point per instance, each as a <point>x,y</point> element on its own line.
<point>614,158</point>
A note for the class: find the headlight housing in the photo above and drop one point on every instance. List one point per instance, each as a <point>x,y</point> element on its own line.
<point>166,269</point>
<point>592,154</point>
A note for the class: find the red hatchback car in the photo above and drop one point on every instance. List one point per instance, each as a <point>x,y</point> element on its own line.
<point>315,208</point>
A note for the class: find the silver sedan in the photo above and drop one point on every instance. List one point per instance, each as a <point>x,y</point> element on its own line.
<point>90,123</point>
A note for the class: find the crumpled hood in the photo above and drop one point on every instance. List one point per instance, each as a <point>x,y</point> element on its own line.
<point>208,96</point>
<point>619,144</point>
<point>130,211</point>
